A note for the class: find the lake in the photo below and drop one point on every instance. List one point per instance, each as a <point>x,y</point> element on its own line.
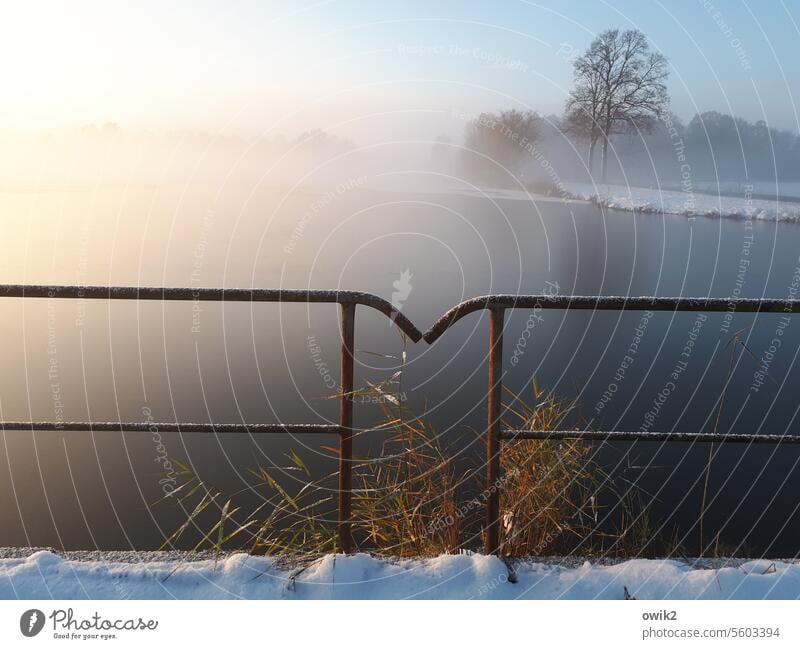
<point>72,360</point>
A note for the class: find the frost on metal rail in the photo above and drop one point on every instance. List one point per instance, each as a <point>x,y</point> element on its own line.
<point>347,301</point>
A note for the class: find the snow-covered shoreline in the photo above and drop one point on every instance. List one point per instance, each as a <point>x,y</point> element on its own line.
<point>643,200</point>
<point>46,575</point>
<point>684,203</point>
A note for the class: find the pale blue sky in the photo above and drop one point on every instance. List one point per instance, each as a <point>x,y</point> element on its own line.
<point>250,67</point>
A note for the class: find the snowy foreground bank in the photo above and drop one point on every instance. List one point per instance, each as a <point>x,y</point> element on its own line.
<point>45,575</point>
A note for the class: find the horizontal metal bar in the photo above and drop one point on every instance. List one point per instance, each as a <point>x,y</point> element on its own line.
<point>167,427</point>
<point>213,295</point>
<point>639,436</point>
<point>601,303</point>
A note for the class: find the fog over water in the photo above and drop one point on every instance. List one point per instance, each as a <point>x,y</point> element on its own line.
<point>199,211</point>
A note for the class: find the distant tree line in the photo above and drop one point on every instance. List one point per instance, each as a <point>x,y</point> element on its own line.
<point>618,110</point>
<point>496,144</point>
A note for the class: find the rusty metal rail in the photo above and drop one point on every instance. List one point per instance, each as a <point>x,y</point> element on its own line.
<point>214,295</point>
<point>596,303</point>
<point>639,436</point>
<point>168,427</point>
<point>348,300</point>
<point>497,306</point>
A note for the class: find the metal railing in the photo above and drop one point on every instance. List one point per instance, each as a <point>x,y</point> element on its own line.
<point>497,306</point>
<point>347,301</point>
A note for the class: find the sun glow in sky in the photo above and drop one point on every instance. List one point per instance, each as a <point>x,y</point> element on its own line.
<point>158,65</point>
<point>252,67</point>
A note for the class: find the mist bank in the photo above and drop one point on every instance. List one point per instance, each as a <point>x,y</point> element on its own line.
<point>109,155</point>
<point>711,153</point>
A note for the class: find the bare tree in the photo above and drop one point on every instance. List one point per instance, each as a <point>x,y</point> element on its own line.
<point>619,87</point>
<point>582,118</point>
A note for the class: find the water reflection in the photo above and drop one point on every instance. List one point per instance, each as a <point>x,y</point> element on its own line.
<point>263,363</point>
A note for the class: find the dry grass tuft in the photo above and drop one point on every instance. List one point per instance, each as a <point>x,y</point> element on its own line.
<point>405,501</point>
<point>547,498</point>
<point>408,499</point>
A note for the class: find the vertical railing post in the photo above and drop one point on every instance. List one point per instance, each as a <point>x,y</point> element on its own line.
<point>494,407</point>
<point>348,312</point>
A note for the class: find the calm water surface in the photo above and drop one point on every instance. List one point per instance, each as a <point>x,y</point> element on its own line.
<point>264,363</point>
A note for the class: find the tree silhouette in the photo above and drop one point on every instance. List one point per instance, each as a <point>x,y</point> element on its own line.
<point>619,87</point>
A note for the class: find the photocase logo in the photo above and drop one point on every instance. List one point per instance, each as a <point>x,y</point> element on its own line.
<point>402,289</point>
<point>31,622</point>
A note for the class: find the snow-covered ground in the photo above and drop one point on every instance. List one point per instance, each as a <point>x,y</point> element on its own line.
<point>639,199</point>
<point>762,188</point>
<point>43,575</point>
<point>642,199</point>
